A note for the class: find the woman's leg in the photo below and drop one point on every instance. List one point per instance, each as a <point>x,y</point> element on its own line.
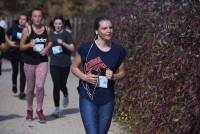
<point>105,117</point>
<point>22,78</point>
<point>41,73</point>
<point>15,67</point>
<point>64,76</point>
<point>30,80</point>
<point>89,115</point>
<point>56,78</point>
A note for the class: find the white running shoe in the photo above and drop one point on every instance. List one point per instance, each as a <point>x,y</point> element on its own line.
<point>65,101</point>
<point>56,113</point>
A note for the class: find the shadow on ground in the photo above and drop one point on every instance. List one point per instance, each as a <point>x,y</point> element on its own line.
<point>9,117</point>
<point>6,70</point>
<point>63,113</point>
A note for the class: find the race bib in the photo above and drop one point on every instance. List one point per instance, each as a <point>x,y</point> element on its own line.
<point>103,82</point>
<point>38,47</point>
<point>57,49</point>
<point>19,35</point>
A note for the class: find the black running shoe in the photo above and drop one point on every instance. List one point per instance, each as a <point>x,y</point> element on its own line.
<point>22,96</point>
<point>14,89</point>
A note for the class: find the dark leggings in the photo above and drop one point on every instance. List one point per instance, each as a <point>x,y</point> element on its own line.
<point>59,76</point>
<point>15,69</point>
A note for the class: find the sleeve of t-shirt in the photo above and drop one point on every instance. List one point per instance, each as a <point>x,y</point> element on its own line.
<point>2,36</point>
<point>82,51</point>
<point>122,55</point>
<point>9,32</point>
<point>69,38</point>
<point>79,49</point>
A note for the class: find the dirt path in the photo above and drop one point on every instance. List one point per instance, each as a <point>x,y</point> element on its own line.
<point>13,110</point>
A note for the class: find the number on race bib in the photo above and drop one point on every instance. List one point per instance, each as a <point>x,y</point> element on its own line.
<point>57,49</point>
<point>38,47</point>
<point>19,35</point>
<point>103,82</point>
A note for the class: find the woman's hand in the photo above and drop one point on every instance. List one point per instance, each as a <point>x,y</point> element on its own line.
<point>109,74</point>
<point>44,52</point>
<point>60,41</point>
<point>46,49</point>
<point>91,78</point>
<point>13,44</point>
<point>70,46</point>
<point>32,43</point>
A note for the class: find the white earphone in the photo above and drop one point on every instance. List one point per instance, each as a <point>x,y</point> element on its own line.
<point>85,84</point>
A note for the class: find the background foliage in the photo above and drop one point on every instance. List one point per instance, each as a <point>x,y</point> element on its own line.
<point>161,90</point>
<point>68,8</point>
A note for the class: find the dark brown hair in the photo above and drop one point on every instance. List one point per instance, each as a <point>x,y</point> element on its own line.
<point>98,19</point>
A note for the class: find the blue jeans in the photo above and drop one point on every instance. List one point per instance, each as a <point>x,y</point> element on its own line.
<point>96,118</point>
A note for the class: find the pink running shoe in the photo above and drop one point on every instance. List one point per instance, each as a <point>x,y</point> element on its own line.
<point>29,115</point>
<point>41,116</point>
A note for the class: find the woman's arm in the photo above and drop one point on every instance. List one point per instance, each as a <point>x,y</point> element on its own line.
<point>69,47</point>
<point>118,75</point>
<point>49,43</point>
<point>23,44</point>
<point>90,78</point>
<point>121,72</point>
<point>1,46</point>
<point>8,38</point>
<point>10,42</point>
<point>2,39</point>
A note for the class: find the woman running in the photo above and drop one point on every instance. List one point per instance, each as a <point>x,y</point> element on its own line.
<point>102,63</point>
<point>14,35</point>
<point>35,44</point>
<point>60,61</point>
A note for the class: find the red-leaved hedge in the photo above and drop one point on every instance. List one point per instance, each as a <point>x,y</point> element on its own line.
<point>160,93</point>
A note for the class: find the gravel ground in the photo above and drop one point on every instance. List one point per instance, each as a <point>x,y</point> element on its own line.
<point>13,110</point>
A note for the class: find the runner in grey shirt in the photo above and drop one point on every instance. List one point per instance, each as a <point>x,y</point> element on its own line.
<point>60,62</point>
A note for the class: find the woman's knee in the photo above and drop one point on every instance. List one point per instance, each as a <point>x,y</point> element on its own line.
<point>30,91</point>
<point>57,87</point>
<point>39,87</point>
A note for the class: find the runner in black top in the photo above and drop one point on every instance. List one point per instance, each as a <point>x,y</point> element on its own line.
<point>35,44</point>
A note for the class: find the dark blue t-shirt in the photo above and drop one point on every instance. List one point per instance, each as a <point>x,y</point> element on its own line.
<point>15,33</point>
<point>2,38</point>
<point>99,61</point>
<point>2,35</point>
